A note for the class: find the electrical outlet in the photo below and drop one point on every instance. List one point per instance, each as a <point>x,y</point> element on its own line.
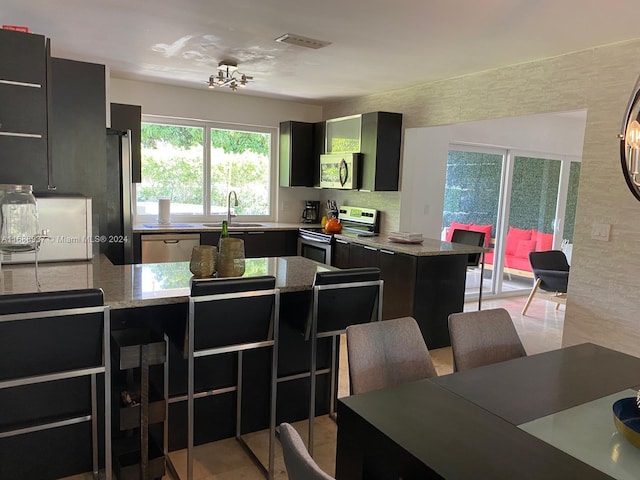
<point>601,231</point>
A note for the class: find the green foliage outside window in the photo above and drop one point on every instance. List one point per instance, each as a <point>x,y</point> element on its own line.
<point>473,187</point>
<point>173,167</point>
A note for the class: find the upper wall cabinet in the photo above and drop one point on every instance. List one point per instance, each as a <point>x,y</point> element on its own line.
<point>129,117</point>
<point>381,136</point>
<point>297,157</point>
<point>77,128</point>
<point>23,109</point>
<point>23,57</point>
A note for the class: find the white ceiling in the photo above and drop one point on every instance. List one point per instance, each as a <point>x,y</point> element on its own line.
<point>377,45</point>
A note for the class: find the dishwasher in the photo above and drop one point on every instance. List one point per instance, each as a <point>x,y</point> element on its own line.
<point>171,247</point>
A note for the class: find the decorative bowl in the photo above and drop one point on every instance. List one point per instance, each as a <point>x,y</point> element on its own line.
<point>626,417</point>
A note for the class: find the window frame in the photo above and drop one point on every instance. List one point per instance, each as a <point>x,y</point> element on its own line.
<point>206,155</point>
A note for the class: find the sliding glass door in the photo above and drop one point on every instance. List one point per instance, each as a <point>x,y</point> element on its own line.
<point>522,201</point>
<point>471,200</point>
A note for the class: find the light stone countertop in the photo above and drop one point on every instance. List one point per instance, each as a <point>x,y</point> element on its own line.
<point>128,286</point>
<point>186,227</point>
<point>429,246</point>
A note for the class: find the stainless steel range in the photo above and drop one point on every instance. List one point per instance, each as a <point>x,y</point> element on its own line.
<point>317,244</point>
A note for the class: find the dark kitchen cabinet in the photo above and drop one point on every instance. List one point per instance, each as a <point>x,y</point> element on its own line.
<point>427,288</point>
<point>129,117</point>
<point>258,244</point>
<point>23,115</point>
<point>319,147</point>
<point>23,57</point>
<point>341,256</point>
<point>298,163</point>
<point>398,272</point>
<point>381,137</point>
<point>77,128</point>
<point>362,256</point>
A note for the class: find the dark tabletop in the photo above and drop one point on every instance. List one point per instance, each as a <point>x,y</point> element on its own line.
<point>531,387</point>
<point>464,425</point>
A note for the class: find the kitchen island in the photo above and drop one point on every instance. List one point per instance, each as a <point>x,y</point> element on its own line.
<point>155,296</point>
<point>424,280</point>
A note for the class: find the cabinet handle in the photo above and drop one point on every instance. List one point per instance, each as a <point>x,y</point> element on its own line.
<point>20,84</point>
<point>370,248</point>
<point>26,135</point>
<point>171,241</point>
<point>235,233</point>
<point>341,241</point>
<point>388,252</point>
<point>255,233</point>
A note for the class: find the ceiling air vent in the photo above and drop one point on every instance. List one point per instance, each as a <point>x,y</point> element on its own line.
<point>301,41</point>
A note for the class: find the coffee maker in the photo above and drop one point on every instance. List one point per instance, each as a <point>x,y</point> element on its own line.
<point>311,212</point>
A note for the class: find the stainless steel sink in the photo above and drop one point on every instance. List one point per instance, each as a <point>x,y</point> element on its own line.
<point>234,224</point>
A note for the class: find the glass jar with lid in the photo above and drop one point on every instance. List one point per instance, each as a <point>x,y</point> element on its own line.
<point>18,219</point>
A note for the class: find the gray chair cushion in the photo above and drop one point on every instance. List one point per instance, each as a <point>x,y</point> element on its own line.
<point>300,465</point>
<point>387,353</point>
<point>483,337</point>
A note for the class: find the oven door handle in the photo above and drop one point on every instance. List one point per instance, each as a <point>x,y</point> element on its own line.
<point>312,239</point>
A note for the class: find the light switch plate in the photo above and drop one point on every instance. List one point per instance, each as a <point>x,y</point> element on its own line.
<point>601,231</point>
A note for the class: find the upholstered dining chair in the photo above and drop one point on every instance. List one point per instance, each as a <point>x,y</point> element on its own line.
<point>299,464</point>
<point>386,353</point>
<point>482,338</point>
<point>551,274</point>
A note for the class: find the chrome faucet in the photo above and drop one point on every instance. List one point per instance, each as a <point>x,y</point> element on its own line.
<point>235,204</point>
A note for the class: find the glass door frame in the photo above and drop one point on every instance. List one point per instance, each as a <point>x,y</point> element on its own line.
<point>504,201</point>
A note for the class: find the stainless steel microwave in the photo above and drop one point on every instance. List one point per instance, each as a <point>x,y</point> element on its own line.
<point>340,170</point>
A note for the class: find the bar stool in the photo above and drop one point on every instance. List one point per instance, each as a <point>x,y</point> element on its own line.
<point>47,339</point>
<point>340,298</point>
<point>232,315</point>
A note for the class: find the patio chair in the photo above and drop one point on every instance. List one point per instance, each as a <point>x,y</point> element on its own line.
<point>551,273</point>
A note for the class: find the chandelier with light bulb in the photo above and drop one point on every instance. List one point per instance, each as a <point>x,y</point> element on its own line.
<point>228,76</point>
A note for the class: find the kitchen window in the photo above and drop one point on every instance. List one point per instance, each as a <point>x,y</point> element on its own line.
<point>197,164</point>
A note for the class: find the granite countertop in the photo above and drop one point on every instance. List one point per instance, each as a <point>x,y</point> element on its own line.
<point>428,247</point>
<point>186,227</point>
<point>127,286</point>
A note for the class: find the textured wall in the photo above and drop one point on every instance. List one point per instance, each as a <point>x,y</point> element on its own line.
<point>605,276</point>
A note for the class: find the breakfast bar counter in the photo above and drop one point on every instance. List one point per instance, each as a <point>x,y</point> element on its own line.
<point>427,248</point>
<point>132,286</point>
<point>155,297</point>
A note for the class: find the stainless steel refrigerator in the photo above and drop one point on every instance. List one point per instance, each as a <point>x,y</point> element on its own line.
<point>116,235</point>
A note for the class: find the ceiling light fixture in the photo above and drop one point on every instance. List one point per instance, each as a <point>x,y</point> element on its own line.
<point>228,76</point>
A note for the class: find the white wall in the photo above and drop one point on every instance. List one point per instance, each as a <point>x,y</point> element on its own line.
<point>426,150</point>
<point>227,107</point>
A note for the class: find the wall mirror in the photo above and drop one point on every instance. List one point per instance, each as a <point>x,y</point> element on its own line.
<point>630,142</point>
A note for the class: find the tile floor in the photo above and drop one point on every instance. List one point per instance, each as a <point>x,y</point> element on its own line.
<point>540,330</point>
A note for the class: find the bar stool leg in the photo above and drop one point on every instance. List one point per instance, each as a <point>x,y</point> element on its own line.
<point>239,397</point>
<point>94,425</point>
<point>190,389</point>
<point>312,374</point>
<point>274,397</point>
<point>106,335</point>
<point>334,371</point>
<point>165,443</point>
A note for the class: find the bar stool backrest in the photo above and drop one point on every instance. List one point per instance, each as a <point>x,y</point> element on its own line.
<point>342,302</point>
<point>77,336</point>
<point>227,311</point>
<point>469,237</point>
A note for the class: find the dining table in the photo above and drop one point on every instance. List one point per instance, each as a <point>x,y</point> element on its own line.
<point>543,416</point>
